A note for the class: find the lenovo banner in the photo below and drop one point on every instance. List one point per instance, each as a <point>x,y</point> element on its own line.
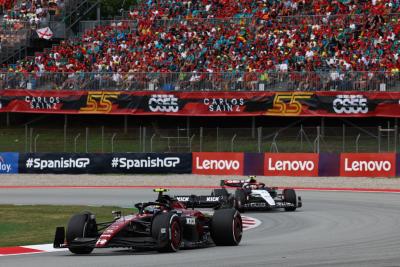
<point>368,164</point>
<point>219,163</point>
<point>324,104</point>
<point>291,164</point>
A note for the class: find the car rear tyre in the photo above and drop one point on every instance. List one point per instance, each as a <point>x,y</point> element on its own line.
<point>226,227</point>
<point>240,199</point>
<point>289,195</point>
<point>79,226</point>
<point>166,229</point>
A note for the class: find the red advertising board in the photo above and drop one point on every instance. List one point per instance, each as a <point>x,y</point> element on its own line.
<point>223,163</point>
<point>173,103</point>
<point>291,164</point>
<point>368,164</point>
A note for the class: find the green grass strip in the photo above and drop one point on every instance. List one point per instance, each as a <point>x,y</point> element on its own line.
<point>30,225</point>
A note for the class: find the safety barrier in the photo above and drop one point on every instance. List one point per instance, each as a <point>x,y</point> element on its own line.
<point>210,163</point>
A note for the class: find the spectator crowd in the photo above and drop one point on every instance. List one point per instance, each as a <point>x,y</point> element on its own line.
<point>35,13</point>
<point>221,36</point>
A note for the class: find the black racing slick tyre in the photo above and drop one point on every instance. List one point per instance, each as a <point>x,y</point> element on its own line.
<point>167,231</point>
<point>289,195</point>
<point>226,227</point>
<point>240,199</point>
<point>79,226</point>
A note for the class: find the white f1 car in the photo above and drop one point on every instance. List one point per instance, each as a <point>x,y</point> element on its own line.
<point>252,195</point>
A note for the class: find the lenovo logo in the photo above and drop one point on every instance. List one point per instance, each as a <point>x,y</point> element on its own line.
<point>368,164</point>
<point>291,164</point>
<point>218,163</point>
<point>288,165</point>
<point>363,165</point>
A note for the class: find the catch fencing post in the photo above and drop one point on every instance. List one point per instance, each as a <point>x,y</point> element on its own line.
<point>343,137</point>
<point>191,142</point>
<point>112,142</point>
<point>26,138</point>
<point>379,138</point>
<point>201,139</point>
<point>35,142</point>
<point>87,140</point>
<point>253,127</point>
<point>217,139</point>
<point>316,141</point>
<point>140,138</point>
<point>102,139</point>
<point>76,140</point>
<point>65,132</point>
<point>151,142</point>
<point>144,139</point>
<point>357,140</point>
<point>30,139</point>
<point>232,140</point>
<point>259,136</point>
<point>396,135</point>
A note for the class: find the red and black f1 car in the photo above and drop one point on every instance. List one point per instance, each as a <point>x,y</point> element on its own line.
<point>164,225</point>
<point>252,195</point>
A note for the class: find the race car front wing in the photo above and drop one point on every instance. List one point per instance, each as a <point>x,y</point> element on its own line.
<point>278,204</point>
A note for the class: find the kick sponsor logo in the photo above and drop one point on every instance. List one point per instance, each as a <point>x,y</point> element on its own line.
<point>218,163</point>
<point>212,199</point>
<point>125,163</point>
<point>183,199</point>
<point>293,164</point>
<point>163,103</point>
<point>368,164</point>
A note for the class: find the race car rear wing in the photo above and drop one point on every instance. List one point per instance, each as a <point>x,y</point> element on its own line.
<point>194,201</point>
<point>233,183</point>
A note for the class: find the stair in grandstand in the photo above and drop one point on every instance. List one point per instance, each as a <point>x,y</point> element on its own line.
<point>17,44</point>
<point>13,45</point>
<point>76,10</point>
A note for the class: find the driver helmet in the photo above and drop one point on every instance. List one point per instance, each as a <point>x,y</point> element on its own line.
<point>252,179</point>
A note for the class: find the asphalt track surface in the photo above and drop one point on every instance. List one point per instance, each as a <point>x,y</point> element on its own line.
<point>332,229</point>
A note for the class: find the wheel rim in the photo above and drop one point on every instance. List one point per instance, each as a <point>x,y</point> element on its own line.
<point>175,235</point>
<point>237,229</point>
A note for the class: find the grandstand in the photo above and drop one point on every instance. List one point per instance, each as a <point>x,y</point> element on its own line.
<point>212,46</point>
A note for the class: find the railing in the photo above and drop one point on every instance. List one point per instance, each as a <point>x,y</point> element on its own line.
<point>100,139</point>
<point>195,81</point>
<point>252,22</point>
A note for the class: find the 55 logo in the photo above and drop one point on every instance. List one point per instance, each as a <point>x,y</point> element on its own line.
<point>99,102</point>
<point>288,104</point>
